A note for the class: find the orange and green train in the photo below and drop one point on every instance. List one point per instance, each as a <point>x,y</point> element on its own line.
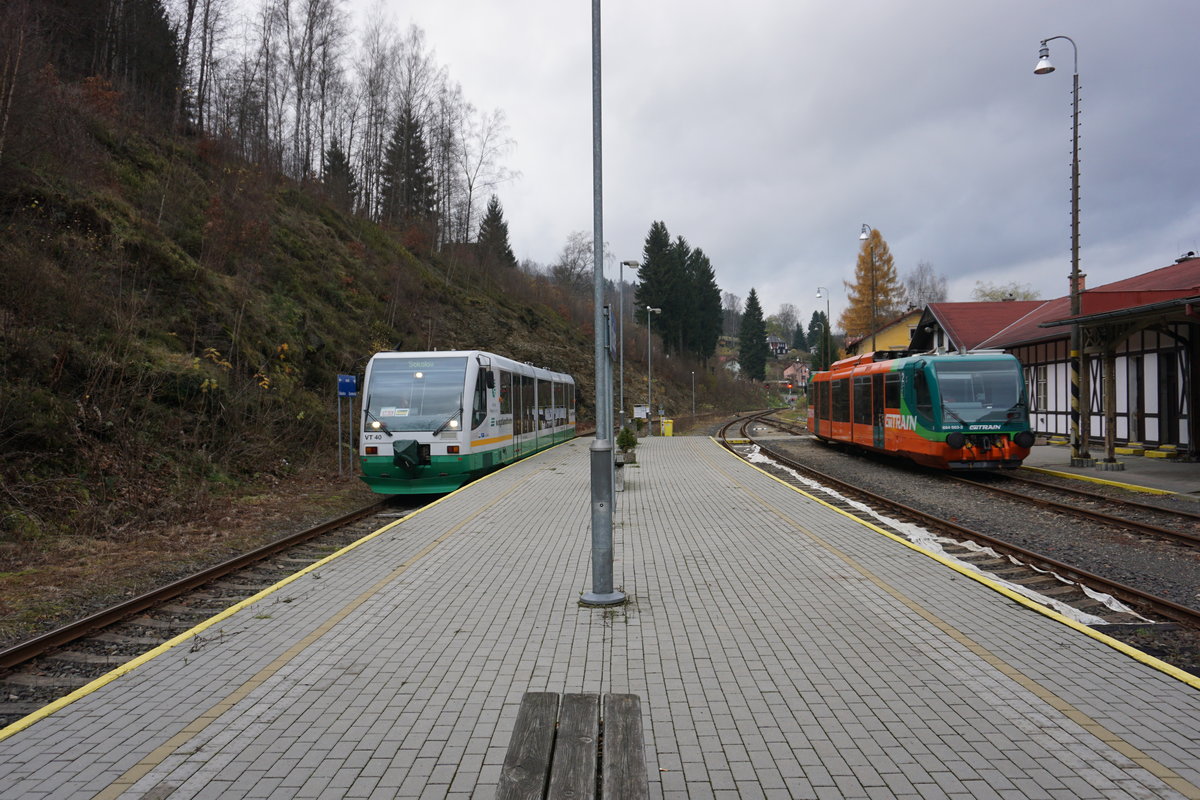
<point>951,411</point>
<point>432,421</point>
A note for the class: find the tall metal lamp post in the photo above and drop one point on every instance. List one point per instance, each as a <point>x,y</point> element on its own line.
<point>1079,380</point>
<point>827,342</point>
<point>649,375</point>
<point>621,334</point>
<point>693,393</point>
<point>601,451</point>
<point>863,236</point>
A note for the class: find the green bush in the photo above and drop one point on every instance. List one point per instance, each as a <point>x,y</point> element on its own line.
<point>626,440</point>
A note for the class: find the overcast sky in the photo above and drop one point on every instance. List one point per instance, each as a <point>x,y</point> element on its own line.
<point>766,132</point>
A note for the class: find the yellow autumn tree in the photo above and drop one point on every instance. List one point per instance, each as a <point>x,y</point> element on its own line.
<point>876,296</point>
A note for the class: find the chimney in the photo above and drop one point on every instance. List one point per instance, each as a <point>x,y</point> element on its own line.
<point>1082,281</point>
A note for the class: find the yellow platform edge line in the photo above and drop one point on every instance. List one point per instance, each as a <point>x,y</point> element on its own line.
<point>1130,486</point>
<point>149,655</point>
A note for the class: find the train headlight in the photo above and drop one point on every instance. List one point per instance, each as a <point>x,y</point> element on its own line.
<point>375,424</point>
<point>956,441</point>
<point>1023,439</point>
<point>454,424</point>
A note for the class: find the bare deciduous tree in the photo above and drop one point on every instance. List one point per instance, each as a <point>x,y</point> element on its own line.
<point>482,140</point>
<point>573,268</point>
<point>923,286</point>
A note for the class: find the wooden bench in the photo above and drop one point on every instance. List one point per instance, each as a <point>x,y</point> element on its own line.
<point>571,752</point>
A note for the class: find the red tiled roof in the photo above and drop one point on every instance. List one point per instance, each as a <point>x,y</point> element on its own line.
<point>1169,283</point>
<point>970,324</point>
<point>1175,281</point>
<point>1025,329</point>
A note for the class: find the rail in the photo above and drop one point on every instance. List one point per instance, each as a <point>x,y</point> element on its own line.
<point>1136,597</point>
<point>30,649</point>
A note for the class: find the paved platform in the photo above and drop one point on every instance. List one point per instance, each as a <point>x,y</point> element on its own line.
<point>1172,475</point>
<point>781,649</point>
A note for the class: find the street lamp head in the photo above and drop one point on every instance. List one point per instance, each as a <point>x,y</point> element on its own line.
<point>865,233</point>
<point>630,263</point>
<point>1044,67</point>
<point>653,310</point>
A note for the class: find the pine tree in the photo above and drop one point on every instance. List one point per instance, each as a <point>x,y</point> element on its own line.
<point>337,175</point>
<point>820,343</point>
<point>493,246</point>
<point>407,193</point>
<point>876,296</point>
<point>706,314</point>
<point>678,322</point>
<point>752,347</point>
<point>655,285</point>
<point>799,340</point>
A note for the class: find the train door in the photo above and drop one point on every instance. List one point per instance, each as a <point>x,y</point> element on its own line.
<point>891,393</point>
<point>518,406</point>
<point>877,415</point>
<point>861,411</point>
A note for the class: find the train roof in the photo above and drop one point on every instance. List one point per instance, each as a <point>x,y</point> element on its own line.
<point>894,356</point>
<point>496,360</point>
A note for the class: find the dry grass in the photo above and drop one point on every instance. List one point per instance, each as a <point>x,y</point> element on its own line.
<point>74,576</point>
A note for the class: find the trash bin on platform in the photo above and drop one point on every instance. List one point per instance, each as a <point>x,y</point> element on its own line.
<point>668,427</point>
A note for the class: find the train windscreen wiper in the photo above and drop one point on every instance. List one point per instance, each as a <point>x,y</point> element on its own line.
<point>447,421</point>
<point>947,410</point>
<point>378,421</point>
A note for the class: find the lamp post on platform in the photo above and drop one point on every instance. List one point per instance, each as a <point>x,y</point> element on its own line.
<point>1080,422</point>
<point>649,375</point>
<point>827,342</point>
<point>601,450</point>
<point>863,236</point>
<point>621,334</point>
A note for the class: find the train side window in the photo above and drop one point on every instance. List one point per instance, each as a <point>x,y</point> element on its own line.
<point>506,404</point>
<point>545,401</point>
<point>862,399</point>
<point>479,402</point>
<point>818,392</point>
<point>841,400</point>
<point>826,400</point>
<point>923,395</point>
<point>891,390</point>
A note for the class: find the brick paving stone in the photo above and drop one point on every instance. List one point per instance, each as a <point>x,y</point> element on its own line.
<point>773,642</point>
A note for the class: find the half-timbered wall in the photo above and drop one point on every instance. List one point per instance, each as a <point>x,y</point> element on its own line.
<point>1153,376</point>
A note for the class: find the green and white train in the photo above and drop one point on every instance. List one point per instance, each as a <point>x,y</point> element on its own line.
<point>433,421</point>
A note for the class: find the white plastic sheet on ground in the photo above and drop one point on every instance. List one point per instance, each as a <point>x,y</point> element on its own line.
<point>933,543</point>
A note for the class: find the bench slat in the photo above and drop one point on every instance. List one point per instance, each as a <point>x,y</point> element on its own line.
<point>573,774</point>
<point>624,749</point>
<point>527,761</point>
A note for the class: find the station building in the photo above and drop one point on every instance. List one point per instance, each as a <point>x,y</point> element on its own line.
<point>1140,343</point>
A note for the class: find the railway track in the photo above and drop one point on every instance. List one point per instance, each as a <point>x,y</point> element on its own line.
<point>1177,526</point>
<point>40,670</point>
<point>1036,565</point>
<point>1173,525</point>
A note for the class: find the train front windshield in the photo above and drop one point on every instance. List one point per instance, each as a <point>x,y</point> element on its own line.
<point>415,394</point>
<point>980,391</point>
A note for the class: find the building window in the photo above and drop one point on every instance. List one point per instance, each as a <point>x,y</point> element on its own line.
<point>1039,387</point>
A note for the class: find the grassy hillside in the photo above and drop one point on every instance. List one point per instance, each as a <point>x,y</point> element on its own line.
<point>172,322</point>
